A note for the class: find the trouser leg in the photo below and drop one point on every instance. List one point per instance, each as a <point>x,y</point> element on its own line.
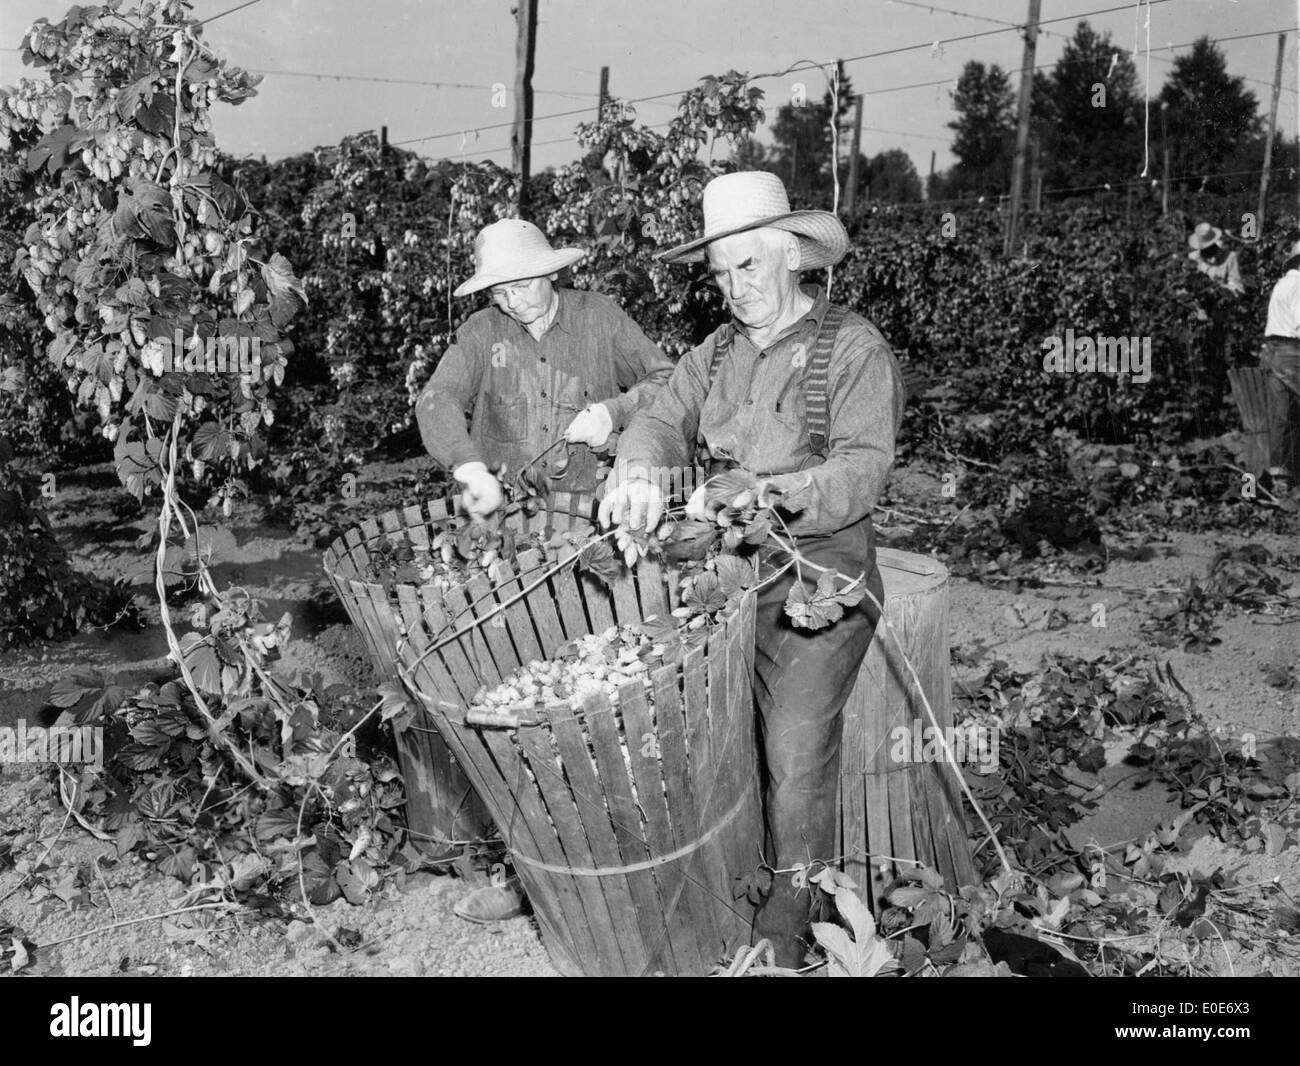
<point>802,681</point>
<point>1283,365</point>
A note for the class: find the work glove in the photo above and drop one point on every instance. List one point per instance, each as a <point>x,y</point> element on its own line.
<point>482,491</point>
<point>764,492</point>
<point>592,426</point>
<point>634,504</point>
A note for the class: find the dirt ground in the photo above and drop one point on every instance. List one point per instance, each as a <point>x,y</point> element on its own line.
<point>413,931</point>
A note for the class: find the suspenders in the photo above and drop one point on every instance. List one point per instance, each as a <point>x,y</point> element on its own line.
<point>816,400</point>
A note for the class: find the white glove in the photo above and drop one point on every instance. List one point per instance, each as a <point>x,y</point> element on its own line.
<point>592,426</point>
<point>634,504</point>
<point>695,506</point>
<point>764,493</point>
<point>482,493</point>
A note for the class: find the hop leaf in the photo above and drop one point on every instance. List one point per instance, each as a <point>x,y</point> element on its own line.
<point>825,604</point>
<point>734,576</point>
<point>722,489</point>
<point>705,594</point>
<point>689,540</point>
<point>598,558</point>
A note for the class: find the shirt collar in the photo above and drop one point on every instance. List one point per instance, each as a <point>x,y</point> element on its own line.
<point>563,313</point>
<point>821,304</point>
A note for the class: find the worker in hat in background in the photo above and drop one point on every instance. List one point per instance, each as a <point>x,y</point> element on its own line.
<point>1280,356</point>
<point>1211,258</point>
<point>541,363</point>
<point>1216,304</point>
<point>806,397</point>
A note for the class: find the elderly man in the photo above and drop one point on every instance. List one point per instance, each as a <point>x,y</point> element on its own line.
<point>808,398</point>
<point>544,362</point>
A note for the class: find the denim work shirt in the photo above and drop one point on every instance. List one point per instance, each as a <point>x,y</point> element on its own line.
<point>754,413</point>
<point>520,394</point>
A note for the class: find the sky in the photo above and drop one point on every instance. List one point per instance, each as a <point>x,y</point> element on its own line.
<point>467,46</point>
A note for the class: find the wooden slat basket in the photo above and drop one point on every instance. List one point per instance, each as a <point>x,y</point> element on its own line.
<point>442,807</point>
<point>627,822</point>
<point>891,805</point>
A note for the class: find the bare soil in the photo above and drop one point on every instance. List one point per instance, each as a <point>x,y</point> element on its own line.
<point>412,931</point>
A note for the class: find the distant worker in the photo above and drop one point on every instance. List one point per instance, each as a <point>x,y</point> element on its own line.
<point>1214,260</point>
<point>1280,356</point>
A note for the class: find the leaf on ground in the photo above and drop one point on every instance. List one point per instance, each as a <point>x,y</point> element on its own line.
<point>321,886</point>
<point>65,693</point>
<point>862,955</point>
<point>178,864</point>
<point>281,822</point>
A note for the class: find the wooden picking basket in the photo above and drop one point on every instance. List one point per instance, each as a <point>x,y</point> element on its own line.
<point>894,808</point>
<point>627,822</point>
<point>442,806</point>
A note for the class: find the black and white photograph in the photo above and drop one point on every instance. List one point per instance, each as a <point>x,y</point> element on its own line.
<point>750,489</point>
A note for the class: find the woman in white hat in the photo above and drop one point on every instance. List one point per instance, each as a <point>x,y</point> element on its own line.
<point>541,363</point>
<point>808,398</point>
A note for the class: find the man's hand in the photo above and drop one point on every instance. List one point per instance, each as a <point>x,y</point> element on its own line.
<point>482,493</point>
<point>764,492</point>
<point>592,426</point>
<point>634,504</point>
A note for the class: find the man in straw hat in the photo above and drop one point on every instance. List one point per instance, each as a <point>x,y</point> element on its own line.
<point>806,397</point>
<point>544,362</point>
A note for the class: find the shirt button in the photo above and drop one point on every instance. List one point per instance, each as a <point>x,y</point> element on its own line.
<point>541,358</point>
<point>543,396</point>
<point>749,403</point>
<point>546,429</point>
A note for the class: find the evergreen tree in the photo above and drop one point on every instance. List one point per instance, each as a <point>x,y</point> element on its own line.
<point>985,132</point>
<point>1211,115</point>
<point>1087,114</point>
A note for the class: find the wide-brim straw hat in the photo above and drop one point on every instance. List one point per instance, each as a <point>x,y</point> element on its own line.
<point>1203,236</point>
<point>753,199</point>
<point>512,250</point>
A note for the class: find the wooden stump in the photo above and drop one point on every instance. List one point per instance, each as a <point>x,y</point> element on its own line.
<point>891,807</point>
<point>1268,419</point>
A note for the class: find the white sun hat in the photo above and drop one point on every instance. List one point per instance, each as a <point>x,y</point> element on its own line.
<point>751,199</point>
<point>512,250</point>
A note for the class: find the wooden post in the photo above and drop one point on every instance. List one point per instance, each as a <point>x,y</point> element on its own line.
<point>853,158</point>
<point>604,90</point>
<point>1268,139</point>
<point>1036,175</point>
<point>1164,143</point>
<point>1022,124</point>
<point>381,253</point>
<point>929,189</point>
<point>521,137</point>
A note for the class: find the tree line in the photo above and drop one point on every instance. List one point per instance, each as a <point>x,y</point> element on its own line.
<point>1090,127</point>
